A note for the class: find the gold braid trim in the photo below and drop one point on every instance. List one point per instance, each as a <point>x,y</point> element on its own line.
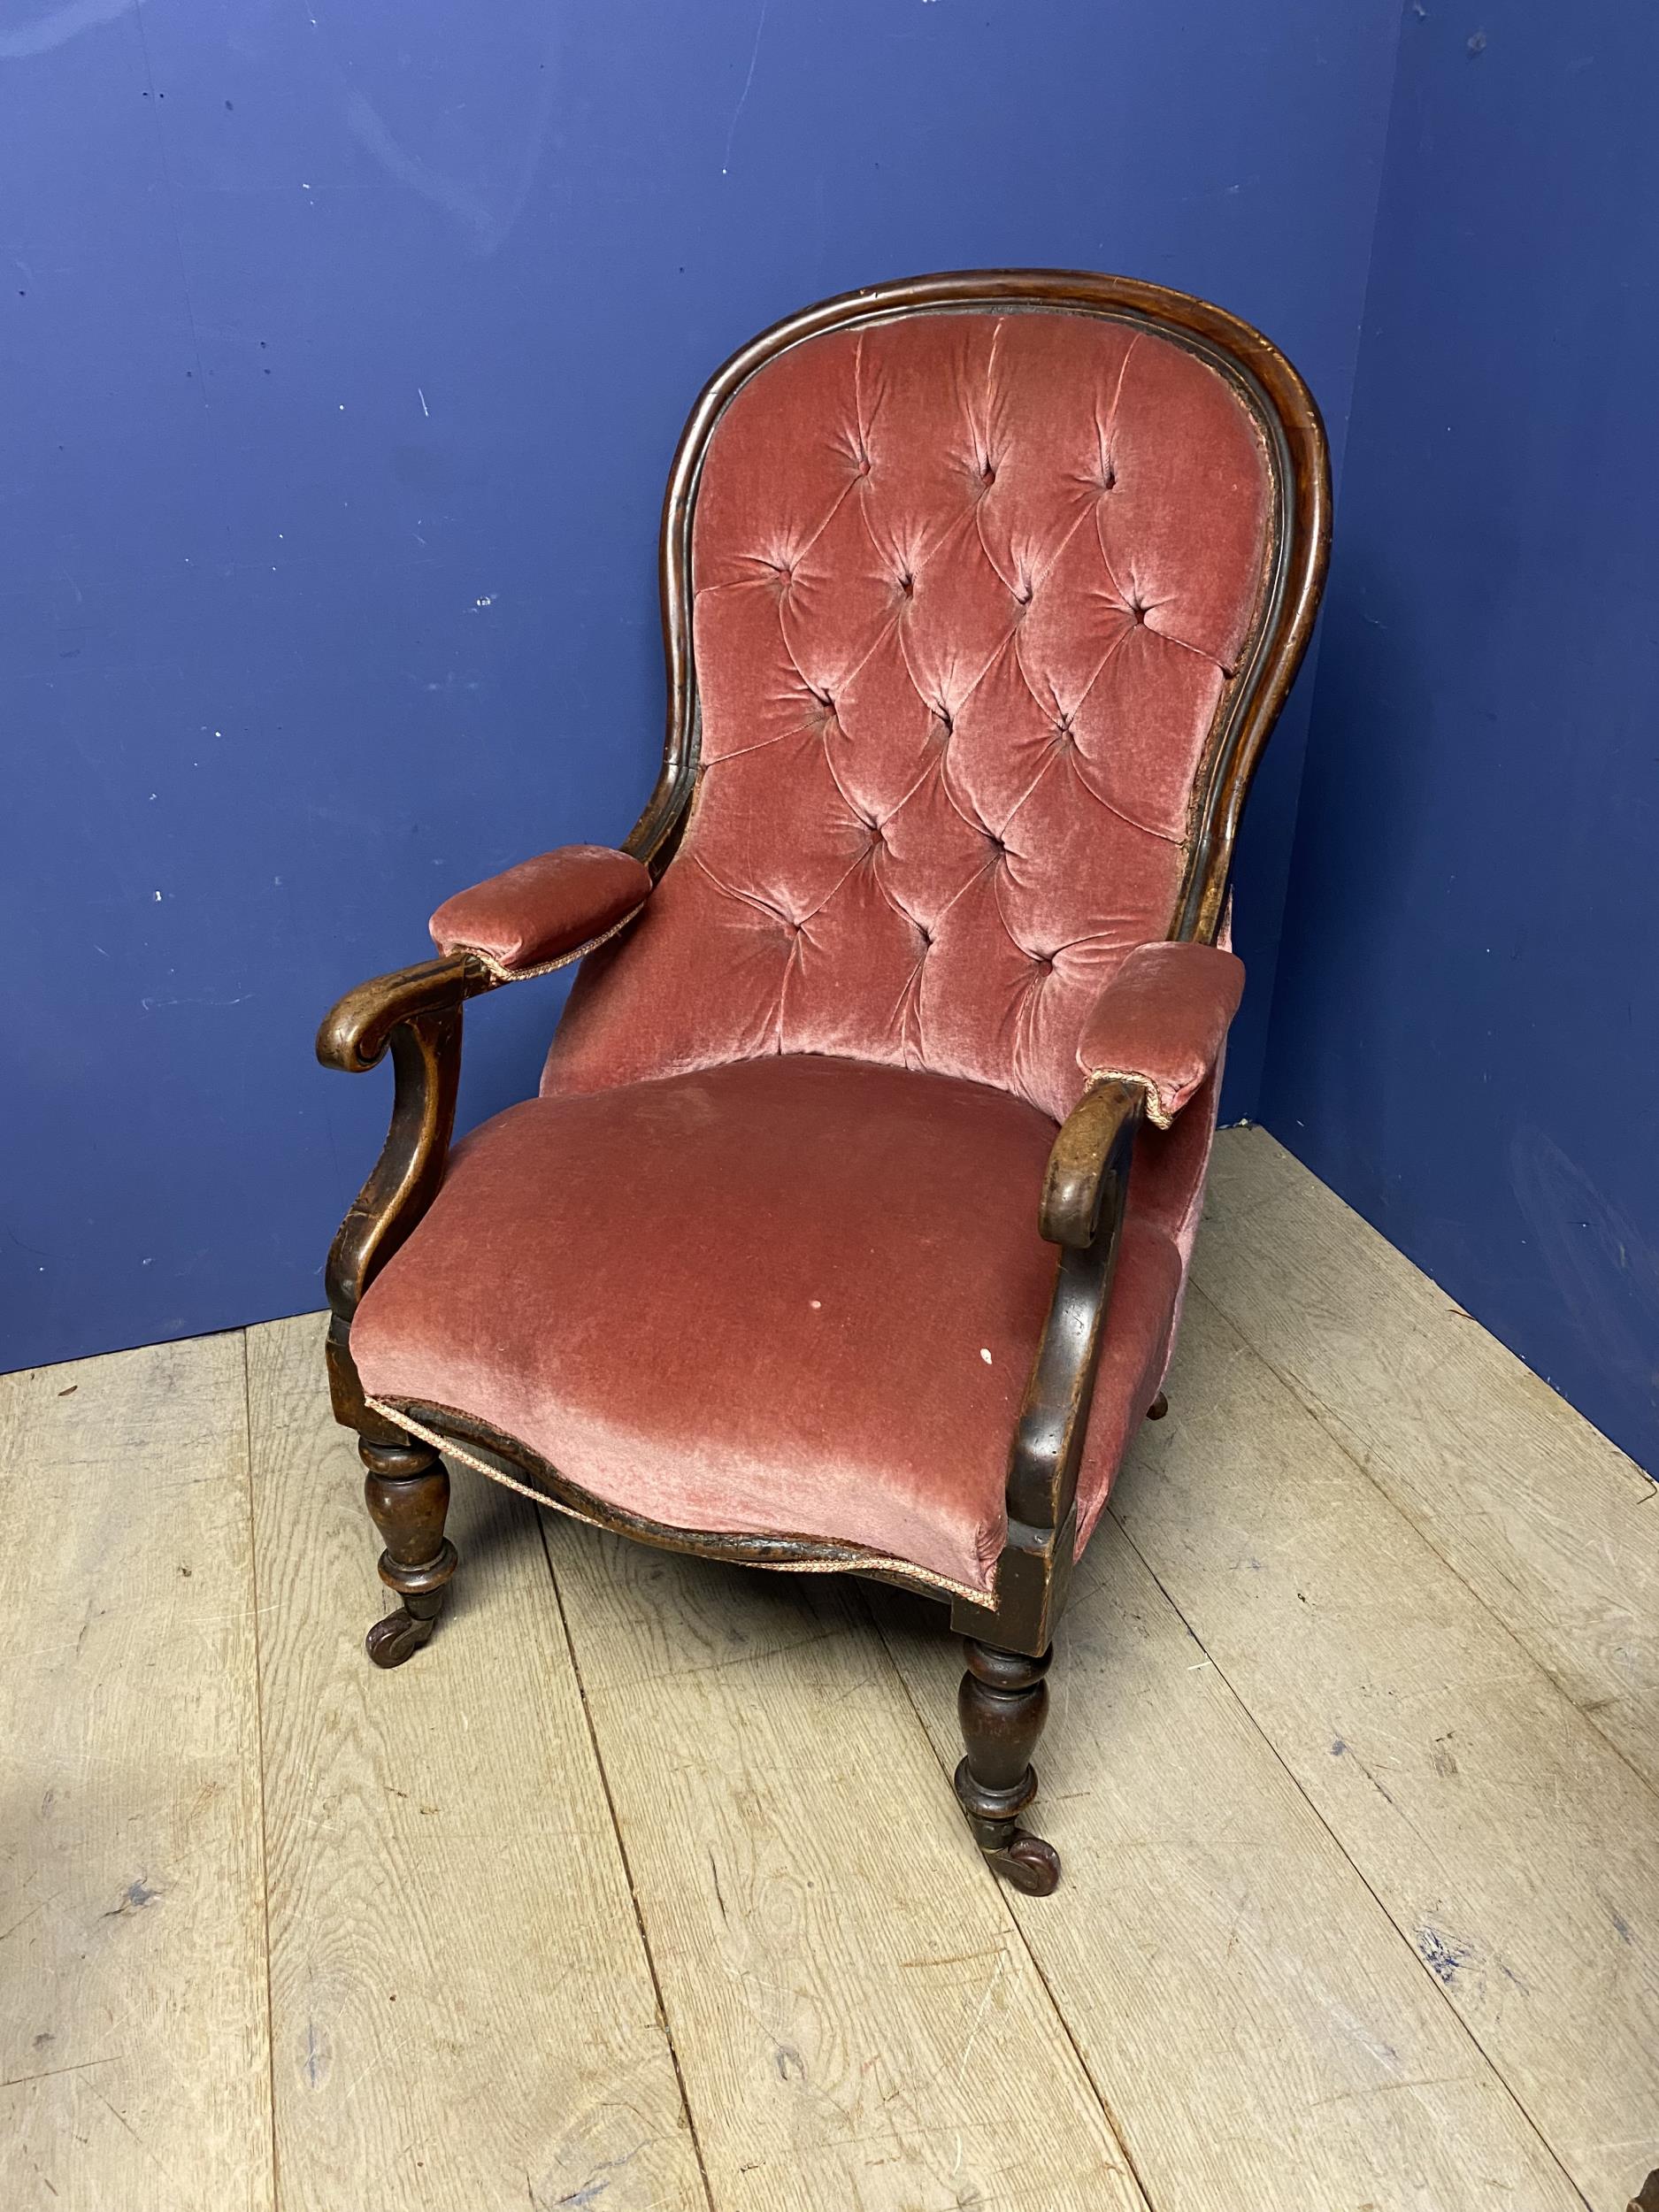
<point>545,967</point>
<point>851,1564</point>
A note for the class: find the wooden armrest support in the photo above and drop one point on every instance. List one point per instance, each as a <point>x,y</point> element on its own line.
<point>416,1012</point>
<point>1084,1195</point>
<point>1088,1168</point>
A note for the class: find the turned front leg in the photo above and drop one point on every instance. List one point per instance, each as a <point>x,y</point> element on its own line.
<point>1002,1703</point>
<point>407,1492</point>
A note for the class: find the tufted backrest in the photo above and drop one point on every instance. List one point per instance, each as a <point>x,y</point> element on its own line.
<point>969,589</point>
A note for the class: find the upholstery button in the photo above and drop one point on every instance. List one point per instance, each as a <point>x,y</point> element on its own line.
<point>1025,596</point>
<point>944,717</point>
<point>1108,482</point>
<point>1063,730</point>
<point>907,585</point>
<point>864,465</point>
<point>987,474</point>
<point>1137,612</point>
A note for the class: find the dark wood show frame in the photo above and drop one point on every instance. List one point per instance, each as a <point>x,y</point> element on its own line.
<point>417,1014</point>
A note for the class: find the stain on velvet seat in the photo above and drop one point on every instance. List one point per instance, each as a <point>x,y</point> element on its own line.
<point>797,1294</point>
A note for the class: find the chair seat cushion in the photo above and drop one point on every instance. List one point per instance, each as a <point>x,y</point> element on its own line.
<point>794,1295</point>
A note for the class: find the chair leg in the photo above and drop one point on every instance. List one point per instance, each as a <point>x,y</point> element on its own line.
<point>407,1492</point>
<point>1159,1407</point>
<point>1003,1702</point>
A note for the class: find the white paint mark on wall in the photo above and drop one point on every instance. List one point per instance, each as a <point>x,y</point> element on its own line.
<point>455,199</point>
<point>58,26</point>
<point>754,56</point>
<point>421,396</point>
<point>204,998</point>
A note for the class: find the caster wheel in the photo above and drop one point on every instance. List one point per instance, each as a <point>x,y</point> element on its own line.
<point>1029,1863</point>
<point>398,1637</point>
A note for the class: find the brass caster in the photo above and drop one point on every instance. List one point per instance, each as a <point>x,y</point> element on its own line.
<point>1029,1862</point>
<point>398,1637</point>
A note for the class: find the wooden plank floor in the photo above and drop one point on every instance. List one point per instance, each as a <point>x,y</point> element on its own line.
<point>643,1886</point>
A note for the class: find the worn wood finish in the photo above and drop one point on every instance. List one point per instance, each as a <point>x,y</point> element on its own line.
<point>133,2067</point>
<point>1082,1203</point>
<point>1510,1843</point>
<point>1001,1707</point>
<point>463,2009</point>
<point>857,2020</point>
<point>1262,2038</point>
<point>1551,1526</point>
<point>417,1013</point>
<point>407,1492</point>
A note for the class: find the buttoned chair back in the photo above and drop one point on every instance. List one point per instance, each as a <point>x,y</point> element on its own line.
<point>975,591</point>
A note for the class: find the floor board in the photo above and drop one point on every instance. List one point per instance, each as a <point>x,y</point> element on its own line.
<point>462,2012</point>
<point>860,2026</point>
<point>1506,1840</point>
<point>133,2050</point>
<point>1550,1525</point>
<point>1264,2039</point>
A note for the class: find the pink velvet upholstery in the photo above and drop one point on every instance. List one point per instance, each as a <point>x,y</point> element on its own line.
<point>544,910</point>
<point>1162,1022</point>
<point>967,587</point>
<point>967,591</point>
<point>762,1298</point>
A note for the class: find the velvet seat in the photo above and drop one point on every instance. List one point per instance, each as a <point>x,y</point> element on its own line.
<point>850,1224</point>
<point>854,1377</point>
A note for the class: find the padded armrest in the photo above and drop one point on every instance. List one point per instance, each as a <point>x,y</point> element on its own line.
<point>1161,1022</point>
<point>545,911</point>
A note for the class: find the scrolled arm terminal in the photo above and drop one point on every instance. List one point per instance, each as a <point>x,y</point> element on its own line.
<point>1088,1168</point>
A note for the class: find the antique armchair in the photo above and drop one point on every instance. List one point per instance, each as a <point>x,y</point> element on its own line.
<point>849,1227</point>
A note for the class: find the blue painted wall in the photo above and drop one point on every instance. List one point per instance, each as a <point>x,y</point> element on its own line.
<point>344,350</point>
<point>1466,1031</point>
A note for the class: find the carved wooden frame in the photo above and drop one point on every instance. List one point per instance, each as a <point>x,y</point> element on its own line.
<point>416,1011</point>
